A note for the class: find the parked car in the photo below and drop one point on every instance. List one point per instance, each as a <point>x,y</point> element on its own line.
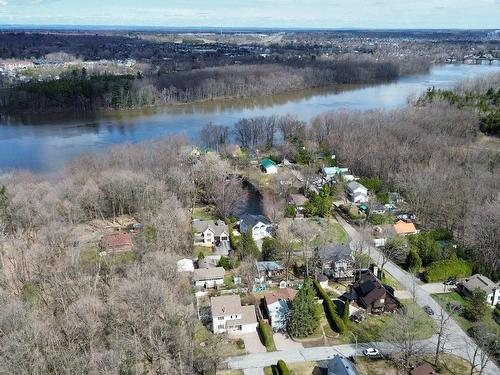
<point>429,310</point>
<point>371,352</point>
<point>450,281</point>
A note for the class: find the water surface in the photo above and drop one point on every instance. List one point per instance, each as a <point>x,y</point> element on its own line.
<point>44,143</point>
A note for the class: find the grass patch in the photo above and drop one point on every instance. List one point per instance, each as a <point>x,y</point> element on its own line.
<point>203,213</point>
<point>392,282</point>
<point>205,250</point>
<point>444,298</point>
<point>228,349</point>
<point>331,231</point>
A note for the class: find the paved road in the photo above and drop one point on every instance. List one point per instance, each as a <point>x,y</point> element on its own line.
<point>320,353</point>
<point>458,342</point>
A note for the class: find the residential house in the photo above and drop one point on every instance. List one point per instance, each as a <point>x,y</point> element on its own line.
<point>340,365</point>
<point>330,173</point>
<point>260,226</point>
<point>424,369</point>
<point>335,261</point>
<point>268,166</point>
<point>298,201</point>
<point>278,304</point>
<point>402,228</point>
<point>228,315</point>
<point>377,208</point>
<point>270,269</point>
<point>116,242</point>
<point>492,290</point>
<point>372,296</point>
<point>382,233</point>
<point>356,192</point>
<point>208,277</point>
<point>210,233</point>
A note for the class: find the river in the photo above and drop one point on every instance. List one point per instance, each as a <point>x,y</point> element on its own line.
<point>44,143</point>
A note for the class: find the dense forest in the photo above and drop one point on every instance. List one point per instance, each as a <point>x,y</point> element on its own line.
<point>79,92</point>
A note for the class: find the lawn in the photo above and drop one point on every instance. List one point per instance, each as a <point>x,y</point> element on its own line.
<point>452,365</point>
<point>228,349</point>
<point>444,298</point>
<point>205,250</point>
<point>331,232</point>
<point>392,282</point>
<point>203,213</point>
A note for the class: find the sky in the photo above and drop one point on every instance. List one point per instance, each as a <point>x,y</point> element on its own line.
<point>381,14</point>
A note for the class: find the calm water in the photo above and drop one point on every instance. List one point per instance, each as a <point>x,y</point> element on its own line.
<point>46,143</point>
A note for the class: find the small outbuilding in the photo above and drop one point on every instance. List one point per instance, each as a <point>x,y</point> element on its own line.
<point>185,265</point>
<point>116,242</point>
<point>268,166</point>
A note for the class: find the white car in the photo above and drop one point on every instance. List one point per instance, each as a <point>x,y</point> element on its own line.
<point>371,352</point>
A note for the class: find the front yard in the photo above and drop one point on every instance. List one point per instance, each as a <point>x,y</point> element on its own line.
<point>444,298</point>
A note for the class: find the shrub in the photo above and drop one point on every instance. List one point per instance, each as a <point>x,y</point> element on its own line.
<point>224,262</point>
<point>291,211</point>
<point>443,269</point>
<point>345,312</point>
<point>283,368</point>
<point>336,323</point>
<point>373,184</point>
<point>266,335</point>
<point>380,219</point>
<point>413,262</point>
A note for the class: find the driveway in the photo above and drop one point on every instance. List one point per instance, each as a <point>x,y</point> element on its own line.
<point>252,342</point>
<point>433,288</point>
<point>283,342</point>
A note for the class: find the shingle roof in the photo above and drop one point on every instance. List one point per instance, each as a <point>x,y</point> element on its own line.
<point>247,316</point>
<point>226,305</point>
<point>479,281</point>
<point>368,288</point>
<point>269,266</point>
<point>339,365</point>
<point>112,240</point>
<point>402,227</point>
<point>275,295</point>
<point>355,185</point>
<point>252,220</point>
<point>201,274</point>
<point>216,226</point>
<point>333,253</point>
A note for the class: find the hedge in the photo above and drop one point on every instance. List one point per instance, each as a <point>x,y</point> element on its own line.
<point>266,336</point>
<point>335,321</point>
<point>443,269</point>
<point>283,368</point>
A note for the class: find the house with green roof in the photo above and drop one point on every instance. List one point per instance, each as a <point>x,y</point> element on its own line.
<point>268,166</point>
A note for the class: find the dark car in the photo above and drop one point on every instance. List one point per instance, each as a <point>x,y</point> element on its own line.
<point>429,310</point>
<point>450,281</point>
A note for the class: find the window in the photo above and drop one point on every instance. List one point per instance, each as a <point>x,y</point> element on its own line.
<point>220,318</point>
<point>382,300</point>
<point>220,326</point>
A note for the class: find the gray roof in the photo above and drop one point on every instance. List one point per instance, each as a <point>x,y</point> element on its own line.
<point>333,253</point>
<point>479,281</point>
<point>253,220</point>
<point>201,274</point>
<point>216,226</point>
<point>298,199</point>
<point>269,266</point>
<point>226,305</point>
<point>339,365</point>
<point>355,185</point>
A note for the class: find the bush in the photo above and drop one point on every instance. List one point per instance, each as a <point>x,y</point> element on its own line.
<point>380,219</point>
<point>444,269</point>
<point>345,312</point>
<point>372,184</point>
<point>224,262</point>
<point>383,198</point>
<point>291,211</point>
<point>266,335</point>
<point>336,323</point>
<point>283,368</point>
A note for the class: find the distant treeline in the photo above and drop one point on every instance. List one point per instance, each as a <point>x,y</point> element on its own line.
<point>80,92</point>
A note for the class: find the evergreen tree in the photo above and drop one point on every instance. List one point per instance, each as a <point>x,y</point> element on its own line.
<point>345,313</point>
<point>413,261</point>
<point>247,246</point>
<point>304,318</point>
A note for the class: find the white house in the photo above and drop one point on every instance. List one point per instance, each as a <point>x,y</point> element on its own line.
<point>229,316</point>
<point>208,277</point>
<point>210,232</point>
<point>477,281</point>
<point>357,193</point>
<point>260,225</point>
<point>278,307</point>
<point>268,166</point>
